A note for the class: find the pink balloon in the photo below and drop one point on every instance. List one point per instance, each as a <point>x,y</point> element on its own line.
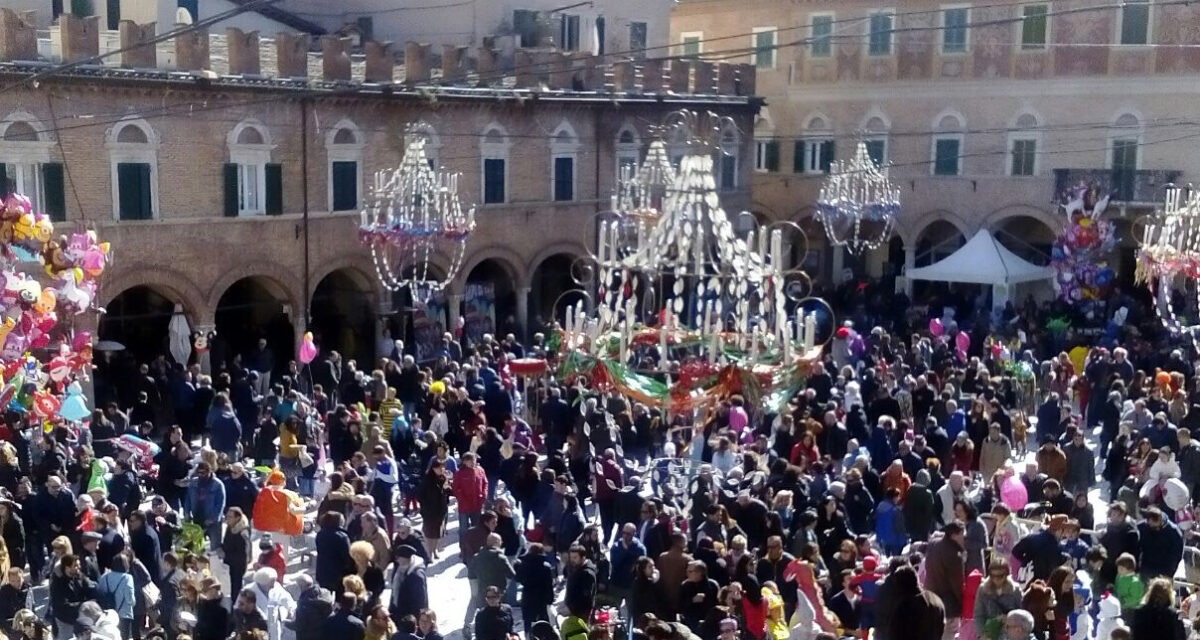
<point>936,328</point>
<point>963,341</point>
<point>1013,493</point>
<point>308,350</point>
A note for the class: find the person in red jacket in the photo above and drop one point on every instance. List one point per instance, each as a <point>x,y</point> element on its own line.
<point>609,482</point>
<point>271,556</point>
<point>470,491</point>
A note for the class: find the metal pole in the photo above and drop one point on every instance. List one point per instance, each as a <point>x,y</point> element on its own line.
<point>304,189</point>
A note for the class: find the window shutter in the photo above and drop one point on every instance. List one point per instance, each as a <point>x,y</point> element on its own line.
<point>145,202</point>
<point>798,149</point>
<point>128,191</point>
<point>4,187</point>
<point>772,158</point>
<point>274,198</point>
<point>345,185</point>
<point>564,179</point>
<point>230,172</point>
<point>826,156</point>
<point>493,180</point>
<point>54,191</point>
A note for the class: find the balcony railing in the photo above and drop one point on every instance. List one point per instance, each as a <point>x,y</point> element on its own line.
<point>1139,187</point>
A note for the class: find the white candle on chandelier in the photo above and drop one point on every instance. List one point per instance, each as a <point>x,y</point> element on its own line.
<point>601,249</point>
<point>754,346</point>
<point>662,338</point>
<point>777,253</point>
<point>787,343</point>
<point>810,331</point>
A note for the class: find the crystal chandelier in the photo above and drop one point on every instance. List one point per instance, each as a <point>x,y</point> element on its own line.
<point>716,313</point>
<point>1170,257</point>
<point>858,203</point>
<point>413,217</point>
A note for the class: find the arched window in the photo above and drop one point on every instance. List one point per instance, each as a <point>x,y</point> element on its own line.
<point>344,146</point>
<point>875,136</point>
<point>814,151</point>
<point>1024,140</point>
<point>133,155</point>
<point>433,142</point>
<point>628,151</point>
<point>26,167</point>
<point>253,185</point>
<point>766,147</point>
<point>947,147</point>
<point>494,147</point>
<point>564,151</point>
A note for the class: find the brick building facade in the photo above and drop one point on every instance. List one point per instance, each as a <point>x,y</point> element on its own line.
<point>144,153</point>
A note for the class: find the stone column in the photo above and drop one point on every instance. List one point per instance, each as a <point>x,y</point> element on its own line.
<point>910,262</point>
<point>523,313</point>
<point>839,263</point>
<point>454,303</point>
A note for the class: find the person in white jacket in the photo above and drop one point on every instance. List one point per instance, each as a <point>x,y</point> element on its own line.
<point>804,620</point>
<point>274,602</point>
<point>105,624</point>
<point>1110,617</point>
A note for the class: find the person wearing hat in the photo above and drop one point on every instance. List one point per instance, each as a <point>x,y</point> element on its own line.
<point>88,558</point>
<point>410,593</point>
<point>313,606</point>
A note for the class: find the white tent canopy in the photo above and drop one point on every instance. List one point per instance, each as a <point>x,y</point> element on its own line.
<point>982,260</point>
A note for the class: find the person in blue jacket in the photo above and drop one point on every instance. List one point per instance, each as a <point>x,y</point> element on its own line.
<point>206,503</point>
<point>889,523</point>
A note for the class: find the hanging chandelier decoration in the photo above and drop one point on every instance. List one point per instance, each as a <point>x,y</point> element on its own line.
<point>1169,260</point>
<point>687,310</point>
<point>858,204</point>
<point>414,220</point>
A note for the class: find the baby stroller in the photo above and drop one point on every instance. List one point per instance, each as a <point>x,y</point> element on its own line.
<point>140,453</point>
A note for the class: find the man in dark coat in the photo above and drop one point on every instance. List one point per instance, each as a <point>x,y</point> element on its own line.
<point>145,544</point>
<point>495,620</point>
<point>580,596</point>
<point>343,624</point>
<point>69,589</point>
<point>240,490</point>
<point>924,615</point>
<point>1041,550</point>
<point>1161,544</point>
<point>945,570</point>
<point>313,606</point>
<point>536,576</point>
<point>333,553</point>
<point>920,509</point>
<point>410,593</point>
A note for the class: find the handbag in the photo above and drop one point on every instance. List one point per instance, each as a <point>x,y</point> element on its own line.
<point>151,594</point>
<point>536,534</point>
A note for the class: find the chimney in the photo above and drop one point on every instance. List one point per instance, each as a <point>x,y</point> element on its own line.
<point>726,79</point>
<point>335,62</point>
<point>136,53</point>
<point>623,80</point>
<point>80,37</point>
<point>416,62</point>
<point>680,73</point>
<point>595,75</point>
<point>291,55</point>
<point>581,71</point>
<point>561,70</point>
<point>525,69</point>
<point>652,75</point>
<point>486,65</point>
<point>454,60</point>
<point>747,74</point>
<point>191,50</point>
<point>380,63</point>
<point>18,35</point>
<point>702,82</point>
<point>243,52</point>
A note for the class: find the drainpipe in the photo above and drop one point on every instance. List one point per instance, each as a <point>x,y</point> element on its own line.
<point>304,190</point>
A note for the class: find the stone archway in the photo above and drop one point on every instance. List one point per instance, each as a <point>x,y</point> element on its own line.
<point>138,318</point>
<point>342,316</point>
<point>249,310</point>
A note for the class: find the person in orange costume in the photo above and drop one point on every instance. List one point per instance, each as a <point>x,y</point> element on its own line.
<point>278,510</point>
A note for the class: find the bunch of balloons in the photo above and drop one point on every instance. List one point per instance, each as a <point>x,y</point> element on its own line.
<point>43,280</point>
<point>1080,253</point>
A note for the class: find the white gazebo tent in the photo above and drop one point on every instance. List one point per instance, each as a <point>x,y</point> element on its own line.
<point>983,260</point>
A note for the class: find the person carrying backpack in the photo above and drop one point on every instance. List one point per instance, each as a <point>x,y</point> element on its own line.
<point>115,592</point>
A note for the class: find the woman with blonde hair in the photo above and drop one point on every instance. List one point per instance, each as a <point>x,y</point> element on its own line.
<point>1157,617</point>
<point>368,572</point>
<point>375,535</point>
<point>353,584</point>
<point>379,624</point>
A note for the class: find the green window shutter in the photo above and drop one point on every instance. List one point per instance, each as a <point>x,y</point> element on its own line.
<point>345,186</point>
<point>54,191</point>
<point>230,172</point>
<point>564,179</point>
<point>493,180</point>
<point>772,156</point>
<point>5,187</point>
<point>798,149</point>
<point>133,188</point>
<point>274,197</point>
<point>826,157</point>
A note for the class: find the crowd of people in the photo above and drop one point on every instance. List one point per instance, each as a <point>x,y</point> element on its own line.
<point>906,492</point>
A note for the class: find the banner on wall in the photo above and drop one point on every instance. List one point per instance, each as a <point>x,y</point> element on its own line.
<point>479,311</point>
<point>429,323</point>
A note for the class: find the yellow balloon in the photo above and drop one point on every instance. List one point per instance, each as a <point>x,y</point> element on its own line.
<point>437,388</point>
